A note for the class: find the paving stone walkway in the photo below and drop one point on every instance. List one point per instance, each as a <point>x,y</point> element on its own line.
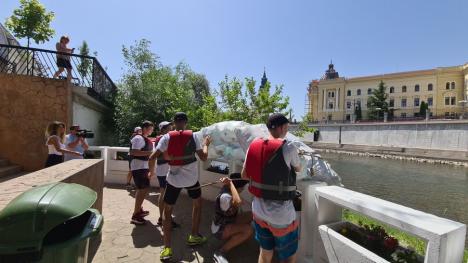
<point>125,242</point>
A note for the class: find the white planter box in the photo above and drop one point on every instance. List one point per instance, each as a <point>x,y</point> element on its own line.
<point>341,249</point>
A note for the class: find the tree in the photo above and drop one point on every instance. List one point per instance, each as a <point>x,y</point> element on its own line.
<point>152,91</point>
<point>31,21</point>
<point>377,103</point>
<point>86,64</point>
<point>358,112</point>
<point>303,126</point>
<point>243,101</point>
<point>423,109</point>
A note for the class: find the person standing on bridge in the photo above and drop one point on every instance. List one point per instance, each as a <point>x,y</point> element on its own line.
<point>179,147</point>
<point>271,165</point>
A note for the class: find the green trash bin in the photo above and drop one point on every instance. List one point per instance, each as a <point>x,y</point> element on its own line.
<point>49,223</point>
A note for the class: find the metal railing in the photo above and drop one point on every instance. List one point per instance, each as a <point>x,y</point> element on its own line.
<point>86,71</point>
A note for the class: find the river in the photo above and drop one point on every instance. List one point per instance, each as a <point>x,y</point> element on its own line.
<point>441,190</point>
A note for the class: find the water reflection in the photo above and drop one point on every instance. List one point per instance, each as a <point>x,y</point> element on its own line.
<point>441,190</point>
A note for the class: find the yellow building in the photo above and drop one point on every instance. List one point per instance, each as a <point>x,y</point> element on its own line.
<point>445,89</point>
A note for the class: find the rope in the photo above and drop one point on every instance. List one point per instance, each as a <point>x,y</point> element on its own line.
<point>212,183</point>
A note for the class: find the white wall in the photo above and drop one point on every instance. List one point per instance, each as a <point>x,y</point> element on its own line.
<point>88,119</point>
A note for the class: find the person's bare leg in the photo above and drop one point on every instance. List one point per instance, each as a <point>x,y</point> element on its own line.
<point>244,218</point>
<point>129,177</point>
<point>196,215</point>
<point>161,202</point>
<point>58,72</point>
<point>291,259</point>
<point>167,226</point>
<point>139,198</point>
<point>235,234</point>
<point>69,74</point>
<point>265,256</point>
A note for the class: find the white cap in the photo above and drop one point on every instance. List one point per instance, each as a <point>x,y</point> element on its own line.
<point>163,124</point>
<point>138,128</point>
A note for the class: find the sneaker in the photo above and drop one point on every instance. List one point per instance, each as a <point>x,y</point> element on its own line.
<point>194,240</point>
<point>166,253</point>
<point>138,220</point>
<point>220,257</point>
<point>174,223</point>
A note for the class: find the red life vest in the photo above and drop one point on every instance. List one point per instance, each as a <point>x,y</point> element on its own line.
<point>270,176</point>
<point>161,159</point>
<point>181,147</point>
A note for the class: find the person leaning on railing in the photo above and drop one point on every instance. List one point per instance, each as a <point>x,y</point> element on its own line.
<point>63,61</point>
<point>55,134</point>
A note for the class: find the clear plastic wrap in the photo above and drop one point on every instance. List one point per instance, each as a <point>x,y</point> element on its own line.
<point>231,139</point>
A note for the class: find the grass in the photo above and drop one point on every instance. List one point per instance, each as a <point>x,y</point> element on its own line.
<point>405,239</point>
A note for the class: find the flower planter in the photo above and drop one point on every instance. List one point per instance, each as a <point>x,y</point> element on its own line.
<point>341,249</point>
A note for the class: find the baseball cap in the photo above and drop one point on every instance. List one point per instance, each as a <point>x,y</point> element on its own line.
<point>164,124</point>
<point>180,116</point>
<point>137,129</point>
<point>276,120</point>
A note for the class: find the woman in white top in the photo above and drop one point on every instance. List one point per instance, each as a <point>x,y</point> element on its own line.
<point>55,134</point>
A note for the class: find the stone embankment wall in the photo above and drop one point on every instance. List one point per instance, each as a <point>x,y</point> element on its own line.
<point>438,137</point>
<point>27,105</point>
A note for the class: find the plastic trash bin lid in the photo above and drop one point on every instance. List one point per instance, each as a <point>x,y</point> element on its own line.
<point>27,219</point>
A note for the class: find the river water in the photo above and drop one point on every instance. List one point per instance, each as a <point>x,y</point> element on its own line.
<point>441,190</point>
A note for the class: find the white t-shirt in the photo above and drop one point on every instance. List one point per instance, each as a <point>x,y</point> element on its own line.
<point>138,142</point>
<point>184,175</point>
<point>278,213</point>
<point>162,169</point>
<point>225,203</point>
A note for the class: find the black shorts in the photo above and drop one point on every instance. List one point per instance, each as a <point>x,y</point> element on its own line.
<point>63,63</point>
<point>53,159</point>
<point>140,177</point>
<point>172,193</point>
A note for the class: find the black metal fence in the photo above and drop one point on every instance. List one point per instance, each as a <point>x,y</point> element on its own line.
<point>86,71</point>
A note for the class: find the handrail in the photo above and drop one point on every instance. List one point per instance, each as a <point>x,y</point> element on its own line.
<point>86,71</point>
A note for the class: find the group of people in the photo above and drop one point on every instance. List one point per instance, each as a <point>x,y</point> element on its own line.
<point>61,146</point>
<point>269,170</point>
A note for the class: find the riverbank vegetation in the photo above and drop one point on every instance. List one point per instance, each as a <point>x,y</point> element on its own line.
<point>404,238</point>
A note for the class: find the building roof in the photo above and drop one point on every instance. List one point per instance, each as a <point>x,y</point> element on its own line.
<point>6,38</point>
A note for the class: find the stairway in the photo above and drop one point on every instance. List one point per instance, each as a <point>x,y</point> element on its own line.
<point>7,169</point>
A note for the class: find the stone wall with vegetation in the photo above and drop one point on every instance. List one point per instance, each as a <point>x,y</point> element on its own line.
<point>27,105</point>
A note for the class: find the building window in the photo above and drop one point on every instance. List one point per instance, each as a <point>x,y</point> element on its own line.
<point>392,103</point>
<point>447,114</point>
<point>349,93</point>
<point>416,88</point>
<point>358,102</point>
<point>430,87</point>
<point>359,92</point>
<point>453,85</point>
<point>348,105</point>
<point>429,101</point>
<point>369,91</point>
<point>403,103</point>
<point>331,94</point>
<point>392,90</point>
<point>403,114</point>
<point>330,105</point>
<point>348,117</point>
<point>447,85</point>
<point>453,101</point>
<point>447,100</point>
<point>416,102</point>
<point>403,89</point>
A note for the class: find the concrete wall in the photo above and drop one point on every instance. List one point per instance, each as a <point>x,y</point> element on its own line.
<point>452,136</point>
<point>27,105</point>
<point>88,113</point>
<point>89,173</point>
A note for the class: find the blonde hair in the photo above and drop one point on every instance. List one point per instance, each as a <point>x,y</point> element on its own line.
<point>52,129</point>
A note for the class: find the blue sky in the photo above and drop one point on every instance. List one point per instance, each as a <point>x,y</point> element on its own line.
<point>294,40</point>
